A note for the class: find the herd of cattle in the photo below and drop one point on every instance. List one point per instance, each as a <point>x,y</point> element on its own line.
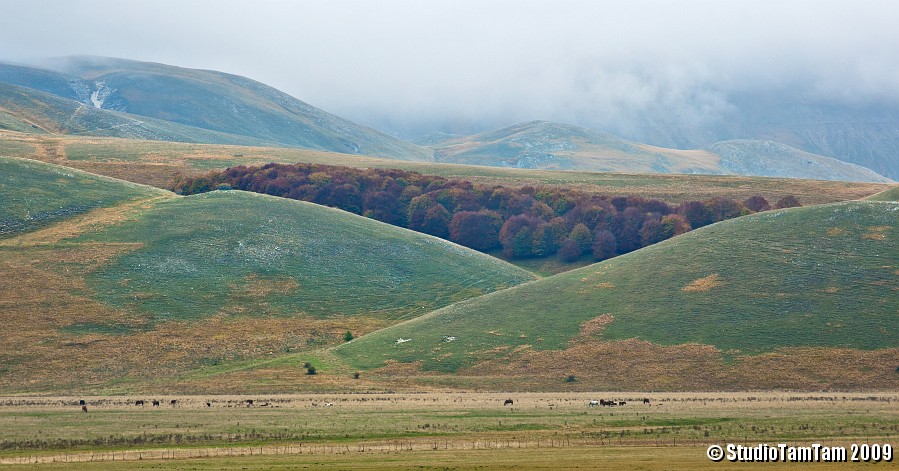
<point>174,402</point>
<point>251,402</point>
<point>593,403</point>
<point>603,402</point>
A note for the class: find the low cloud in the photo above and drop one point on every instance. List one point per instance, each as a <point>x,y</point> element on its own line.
<point>411,67</point>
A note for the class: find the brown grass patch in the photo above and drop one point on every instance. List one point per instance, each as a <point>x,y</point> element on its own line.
<point>638,365</point>
<point>874,236</point>
<point>261,286</point>
<point>876,232</point>
<point>835,231</point>
<point>703,284</point>
<point>595,325</point>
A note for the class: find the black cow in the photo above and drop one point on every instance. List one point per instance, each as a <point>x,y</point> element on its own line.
<point>155,403</point>
<point>646,400</point>
<point>208,404</point>
<point>173,402</point>
<point>82,403</point>
<point>139,403</point>
<point>622,403</point>
<point>508,402</point>
<point>249,402</point>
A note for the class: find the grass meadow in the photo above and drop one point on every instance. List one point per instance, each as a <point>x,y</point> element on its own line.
<point>439,430</point>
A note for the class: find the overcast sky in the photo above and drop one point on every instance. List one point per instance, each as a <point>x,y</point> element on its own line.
<point>410,67</point>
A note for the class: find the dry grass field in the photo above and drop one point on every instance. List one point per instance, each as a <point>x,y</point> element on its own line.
<point>444,430</point>
<point>159,164</point>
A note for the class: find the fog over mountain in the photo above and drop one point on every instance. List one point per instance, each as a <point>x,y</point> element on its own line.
<point>410,68</point>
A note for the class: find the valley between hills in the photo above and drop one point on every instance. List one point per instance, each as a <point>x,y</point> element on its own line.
<point>204,238</point>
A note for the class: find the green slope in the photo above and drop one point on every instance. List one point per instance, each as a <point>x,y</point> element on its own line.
<point>823,276</point>
<point>889,195</point>
<point>34,194</point>
<point>200,253</point>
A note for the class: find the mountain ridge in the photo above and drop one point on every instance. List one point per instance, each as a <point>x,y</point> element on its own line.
<point>549,145</point>
<point>207,99</point>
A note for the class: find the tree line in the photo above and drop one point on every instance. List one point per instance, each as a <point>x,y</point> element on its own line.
<point>524,222</point>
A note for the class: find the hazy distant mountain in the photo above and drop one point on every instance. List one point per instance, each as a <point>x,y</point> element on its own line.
<point>866,135</point>
<point>547,145</point>
<point>773,159</point>
<point>28,110</point>
<point>209,100</point>
<point>207,106</point>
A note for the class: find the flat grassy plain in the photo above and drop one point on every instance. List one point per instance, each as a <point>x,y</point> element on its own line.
<point>440,430</point>
<point>160,163</point>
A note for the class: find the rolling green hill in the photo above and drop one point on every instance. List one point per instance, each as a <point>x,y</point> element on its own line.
<point>34,194</point>
<point>205,99</point>
<point>149,285</point>
<point>546,145</point>
<point>889,195</point>
<point>198,253</point>
<point>793,283</point>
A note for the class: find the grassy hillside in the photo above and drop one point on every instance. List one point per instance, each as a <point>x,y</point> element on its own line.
<point>131,294</point>
<point>209,100</point>
<point>808,281</point>
<point>157,163</point>
<point>889,195</point>
<point>34,194</point>
<point>209,252</point>
<point>546,145</point>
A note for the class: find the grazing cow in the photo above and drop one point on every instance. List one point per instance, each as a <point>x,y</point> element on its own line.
<point>173,402</point>
<point>622,403</point>
<point>646,400</point>
<point>81,402</point>
<point>593,403</point>
<point>508,402</point>
<point>83,408</point>
<point>208,404</point>
<point>249,402</point>
<point>328,404</point>
<point>155,403</point>
<point>139,403</point>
